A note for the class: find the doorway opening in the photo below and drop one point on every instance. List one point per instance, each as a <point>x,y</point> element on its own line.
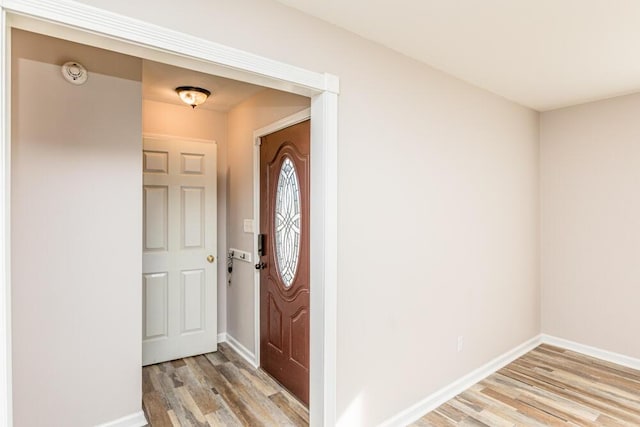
<point>104,29</point>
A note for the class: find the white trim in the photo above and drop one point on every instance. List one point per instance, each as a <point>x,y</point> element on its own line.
<point>237,346</point>
<point>291,120</point>
<point>86,24</point>
<point>448,392</point>
<point>6,417</point>
<point>324,258</point>
<point>134,420</point>
<point>167,137</point>
<point>609,356</point>
<point>121,27</point>
<point>243,351</point>
<point>257,134</point>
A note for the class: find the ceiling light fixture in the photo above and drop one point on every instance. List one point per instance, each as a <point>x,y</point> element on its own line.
<point>193,96</point>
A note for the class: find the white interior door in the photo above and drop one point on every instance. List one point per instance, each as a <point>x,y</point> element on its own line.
<point>179,291</point>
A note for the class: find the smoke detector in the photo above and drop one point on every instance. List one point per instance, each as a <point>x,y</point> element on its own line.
<point>74,72</point>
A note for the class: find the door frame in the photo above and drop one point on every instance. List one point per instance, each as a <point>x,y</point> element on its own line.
<point>291,120</point>
<point>86,24</point>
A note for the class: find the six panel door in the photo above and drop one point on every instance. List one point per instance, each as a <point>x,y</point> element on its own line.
<point>179,291</point>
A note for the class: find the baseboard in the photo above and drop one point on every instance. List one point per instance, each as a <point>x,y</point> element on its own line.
<point>134,420</point>
<point>436,399</point>
<point>222,337</point>
<point>243,351</point>
<point>609,356</point>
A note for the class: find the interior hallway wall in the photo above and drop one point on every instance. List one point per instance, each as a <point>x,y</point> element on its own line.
<point>76,235</point>
<point>258,111</point>
<point>590,223</point>
<point>185,122</point>
<point>437,204</point>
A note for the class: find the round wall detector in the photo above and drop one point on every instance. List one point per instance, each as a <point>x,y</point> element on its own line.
<point>74,72</point>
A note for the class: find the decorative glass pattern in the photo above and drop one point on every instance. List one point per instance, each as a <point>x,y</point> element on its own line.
<point>287,222</point>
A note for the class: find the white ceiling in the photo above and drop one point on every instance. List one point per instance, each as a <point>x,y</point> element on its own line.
<point>543,54</point>
<point>159,82</point>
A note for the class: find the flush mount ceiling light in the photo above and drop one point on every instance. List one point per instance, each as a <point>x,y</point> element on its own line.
<point>193,96</point>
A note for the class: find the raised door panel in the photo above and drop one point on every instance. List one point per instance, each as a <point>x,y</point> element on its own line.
<point>156,212</point>
<point>155,305</point>
<point>193,298</point>
<point>193,227</point>
<point>299,337</point>
<point>156,162</point>
<point>275,324</point>
<point>192,164</point>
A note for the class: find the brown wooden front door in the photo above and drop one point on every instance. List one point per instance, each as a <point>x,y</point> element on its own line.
<point>284,258</point>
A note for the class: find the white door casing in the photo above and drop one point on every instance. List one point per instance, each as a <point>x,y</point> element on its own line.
<point>69,20</point>
<point>179,290</point>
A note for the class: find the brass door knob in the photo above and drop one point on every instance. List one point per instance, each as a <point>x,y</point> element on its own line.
<point>211,258</point>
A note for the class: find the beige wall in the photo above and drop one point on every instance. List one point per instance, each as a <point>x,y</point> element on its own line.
<point>256,112</point>
<point>183,121</point>
<point>438,205</point>
<point>590,223</point>
<point>76,236</point>
<point>438,217</point>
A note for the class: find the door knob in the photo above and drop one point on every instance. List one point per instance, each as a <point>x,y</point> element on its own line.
<point>211,258</point>
<point>261,266</point>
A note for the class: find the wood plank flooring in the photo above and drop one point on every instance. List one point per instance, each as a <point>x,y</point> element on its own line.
<point>548,386</point>
<point>216,389</point>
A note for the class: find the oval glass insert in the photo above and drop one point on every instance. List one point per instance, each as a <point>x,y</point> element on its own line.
<point>287,222</point>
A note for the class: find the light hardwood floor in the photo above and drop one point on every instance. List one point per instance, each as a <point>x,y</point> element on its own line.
<point>216,389</point>
<point>548,386</point>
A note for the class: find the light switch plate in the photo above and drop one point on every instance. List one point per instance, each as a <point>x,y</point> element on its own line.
<point>248,226</point>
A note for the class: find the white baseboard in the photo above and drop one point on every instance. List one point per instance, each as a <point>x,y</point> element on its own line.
<point>134,420</point>
<point>436,399</point>
<point>598,353</point>
<point>243,351</point>
<point>222,337</point>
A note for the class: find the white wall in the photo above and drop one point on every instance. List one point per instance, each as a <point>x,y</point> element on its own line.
<point>590,219</point>
<point>258,111</point>
<point>76,236</point>
<point>183,121</point>
<point>438,206</point>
